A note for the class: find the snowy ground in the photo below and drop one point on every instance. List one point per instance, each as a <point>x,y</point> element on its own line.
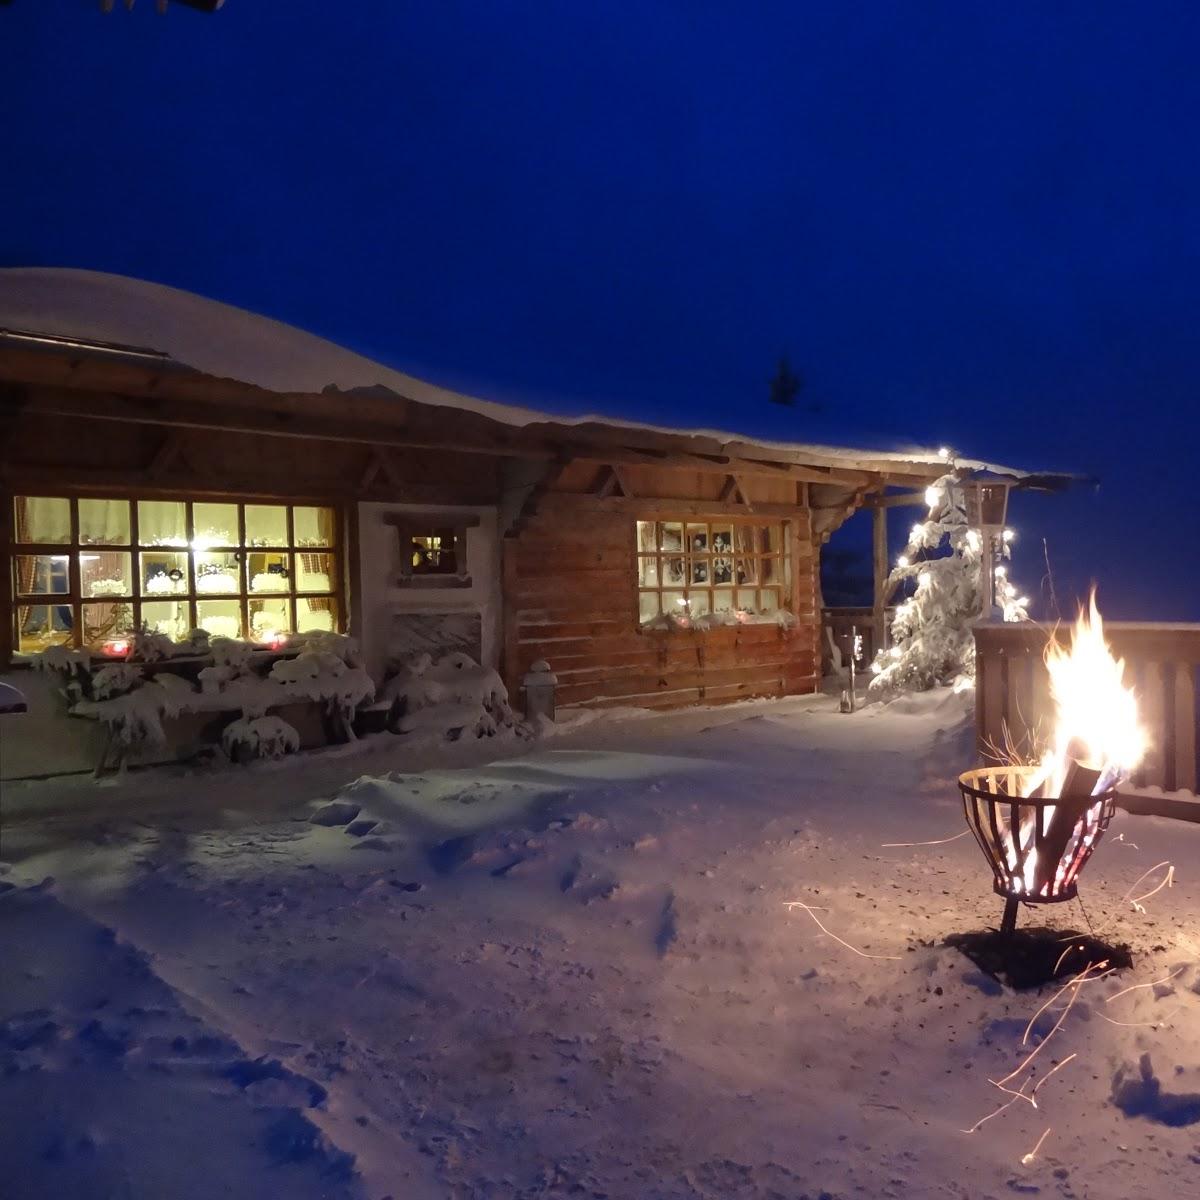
<point>571,972</point>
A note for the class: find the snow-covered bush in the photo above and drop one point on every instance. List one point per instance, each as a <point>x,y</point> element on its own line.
<point>454,696</point>
<point>323,675</point>
<point>259,737</point>
<point>932,636</point>
<point>115,680</point>
<point>151,646</point>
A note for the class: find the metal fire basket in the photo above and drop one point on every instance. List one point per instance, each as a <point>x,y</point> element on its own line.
<point>1035,845</point>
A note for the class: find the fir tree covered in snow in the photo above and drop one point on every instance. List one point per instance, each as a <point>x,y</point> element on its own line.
<point>931,638</point>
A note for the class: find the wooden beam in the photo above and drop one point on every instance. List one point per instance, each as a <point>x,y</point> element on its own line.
<point>897,501</point>
<point>639,506</point>
<point>879,561</point>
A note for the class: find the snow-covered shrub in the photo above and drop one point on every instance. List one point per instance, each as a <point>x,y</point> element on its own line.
<point>150,646</point>
<point>325,642</point>
<point>231,652</point>
<point>454,696</point>
<point>932,637</point>
<point>115,680</point>
<point>259,737</point>
<point>323,675</point>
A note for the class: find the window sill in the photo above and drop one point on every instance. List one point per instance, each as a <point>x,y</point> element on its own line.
<point>433,582</point>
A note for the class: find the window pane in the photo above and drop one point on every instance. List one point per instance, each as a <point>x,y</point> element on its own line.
<point>162,523</point>
<point>722,570</point>
<point>698,603</point>
<point>771,539</point>
<point>38,519</point>
<point>647,533</point>
<point>214,525</point>
<point>768,600</point>
<point>217,573</point>
<point>269,572</point>
<point>167,616</point>
<point>221,618</point>
<point>435,553</point>
<point>672,535</point>
<point>648,571</point>
<point>648,606</point>
<point>746,570</point>
<point>747,599</point>
<point>266,525</point>
<point>316,613</point>
<point>107,574</point>
<point>699,571</point>
<point>269,619</point>
<point>722,539</point>
<point>673,571</point>
<point>769,570</point>
<point>163,574</point>
<point>723,601</point>
<point>42,574</point>
<point>673,603</point>
<point>314,572</point>
<point>106,622</point>
<point>313,526</point>
<point>40,626</point>
<point>104,522</point>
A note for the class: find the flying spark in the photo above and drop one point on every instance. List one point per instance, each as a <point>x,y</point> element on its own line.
<point>1028,1158</point>
<point>860,953</point>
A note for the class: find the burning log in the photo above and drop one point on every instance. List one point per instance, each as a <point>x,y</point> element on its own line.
<point>1075,799</point>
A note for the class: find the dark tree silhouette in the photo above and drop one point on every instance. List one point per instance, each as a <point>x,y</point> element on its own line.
<point>786,385</point>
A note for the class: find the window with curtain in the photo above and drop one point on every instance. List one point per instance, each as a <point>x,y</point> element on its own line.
<point>89,571</point>
<point>692,567</point>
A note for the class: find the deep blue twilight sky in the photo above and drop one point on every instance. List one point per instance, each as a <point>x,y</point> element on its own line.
<point>966,223</point>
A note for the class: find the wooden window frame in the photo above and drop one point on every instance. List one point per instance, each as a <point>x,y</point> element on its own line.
<point>136,599</point>
<point>410,525</point>
<point>781,586</point>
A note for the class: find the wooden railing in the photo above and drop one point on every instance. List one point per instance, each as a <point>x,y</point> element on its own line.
<point>1012,700</point>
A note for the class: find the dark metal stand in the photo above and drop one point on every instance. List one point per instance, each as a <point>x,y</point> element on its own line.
<point>1009,924</point>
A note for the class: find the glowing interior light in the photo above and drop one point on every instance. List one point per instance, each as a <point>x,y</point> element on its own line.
<point>944,453</point>
<point>915,535</point>
<point>120,646</point>
<point>923,578</point>
<point>1008,535</point>
<point>973,539</point>
<point>1001,572</point>
<point>933,496</point>
<point>903,560</point>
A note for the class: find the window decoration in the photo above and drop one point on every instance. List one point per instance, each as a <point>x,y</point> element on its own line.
<point>88,571</point>
<point>723,569</point>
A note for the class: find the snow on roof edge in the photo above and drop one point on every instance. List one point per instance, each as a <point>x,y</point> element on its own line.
<point>228,342</point>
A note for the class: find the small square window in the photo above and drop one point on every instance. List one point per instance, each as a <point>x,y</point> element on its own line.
<point>162,523</point>
<point>214,525</point>
<point>42,519</point>
<point>42,574</point>
<point>104,522</point>
<point>266,525</point>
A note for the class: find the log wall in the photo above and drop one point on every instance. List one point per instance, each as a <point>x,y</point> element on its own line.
<point>570,597</point>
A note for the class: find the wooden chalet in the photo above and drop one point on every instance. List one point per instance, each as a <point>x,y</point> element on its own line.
<point>648,567</point>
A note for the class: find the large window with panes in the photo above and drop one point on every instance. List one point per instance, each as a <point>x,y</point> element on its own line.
<point>691,568</point>
<point>87,571</point>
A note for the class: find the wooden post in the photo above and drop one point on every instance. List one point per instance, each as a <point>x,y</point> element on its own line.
<point>880,558</point>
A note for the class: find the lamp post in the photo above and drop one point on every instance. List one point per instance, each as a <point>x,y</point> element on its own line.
<point>987,509</point>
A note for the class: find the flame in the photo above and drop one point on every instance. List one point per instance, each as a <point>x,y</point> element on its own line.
<point>1096,725</point>
<point>1096,719</point>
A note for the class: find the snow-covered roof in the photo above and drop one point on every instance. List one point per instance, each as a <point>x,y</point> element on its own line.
<point>231,343</point>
